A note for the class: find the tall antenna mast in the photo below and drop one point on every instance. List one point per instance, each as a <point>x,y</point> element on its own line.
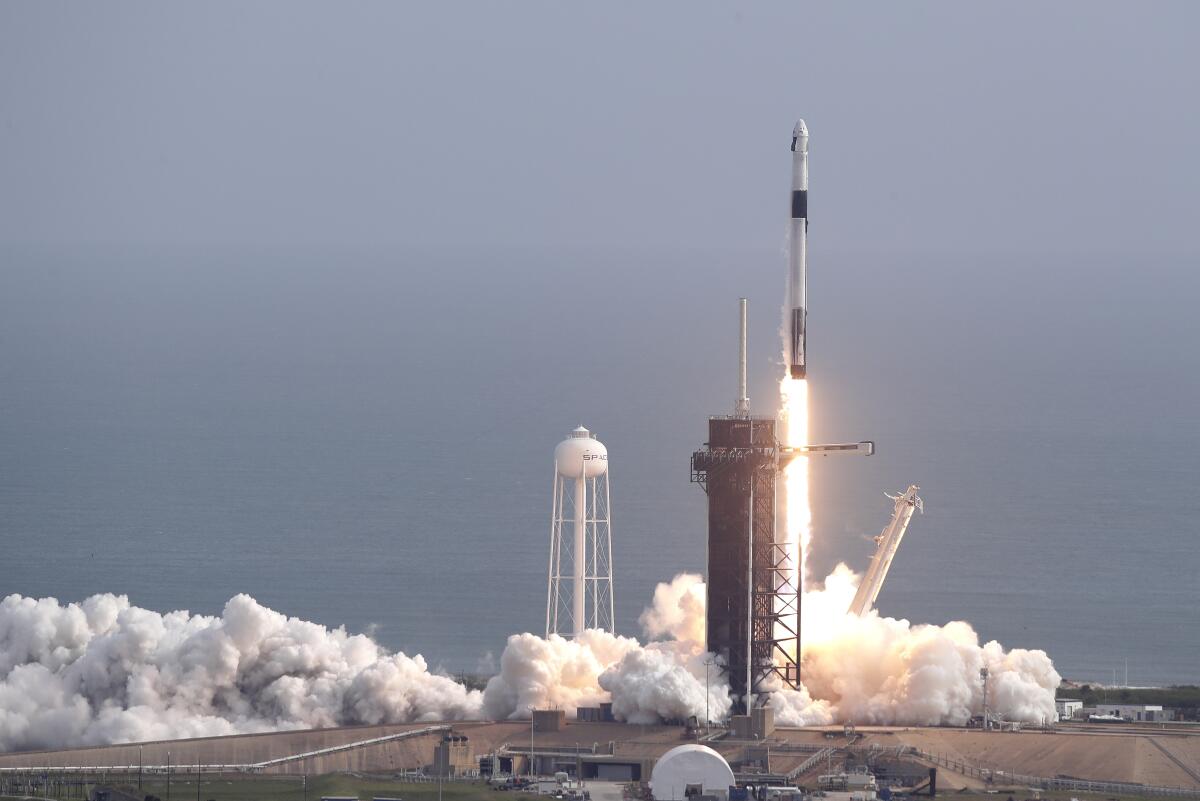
<point>741,408</point>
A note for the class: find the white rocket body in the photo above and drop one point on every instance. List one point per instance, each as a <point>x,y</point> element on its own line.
<point>798,255</point>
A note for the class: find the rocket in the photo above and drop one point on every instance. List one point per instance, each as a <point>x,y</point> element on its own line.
<point>798,255</point>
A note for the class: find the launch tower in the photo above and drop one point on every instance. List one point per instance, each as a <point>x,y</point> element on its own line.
<point>752,604</point>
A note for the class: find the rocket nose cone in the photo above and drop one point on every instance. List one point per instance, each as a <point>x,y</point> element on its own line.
<point>800,137</point>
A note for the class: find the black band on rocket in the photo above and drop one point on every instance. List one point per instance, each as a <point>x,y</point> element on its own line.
<point>800,204</point>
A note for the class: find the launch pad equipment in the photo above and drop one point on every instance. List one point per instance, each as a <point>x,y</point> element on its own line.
<point>753,603</point>
<point>888,543</point>
<point>741,407</point>
<point>864,448</point>
<point>983,677</point>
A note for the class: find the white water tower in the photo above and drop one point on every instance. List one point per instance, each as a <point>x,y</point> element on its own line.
<point>579,593</point>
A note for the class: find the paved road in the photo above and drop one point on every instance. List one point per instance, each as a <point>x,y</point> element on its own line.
<point>605,791</point>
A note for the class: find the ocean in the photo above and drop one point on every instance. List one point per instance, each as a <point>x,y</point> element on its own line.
<point>365,439</point>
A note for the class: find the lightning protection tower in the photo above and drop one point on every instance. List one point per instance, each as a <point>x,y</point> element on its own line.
<point>579,588</point>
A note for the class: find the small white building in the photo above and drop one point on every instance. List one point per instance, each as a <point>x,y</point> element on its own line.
<point>1068,708</point>
<point>1131,712</point>
<point>690,769</point>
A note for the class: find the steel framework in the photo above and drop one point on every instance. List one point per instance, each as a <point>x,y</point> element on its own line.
<point>887,543</point>
<point>581,505</point>
<point>753,602</point>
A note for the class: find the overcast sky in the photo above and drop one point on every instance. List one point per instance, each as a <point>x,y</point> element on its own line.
<point>935,127</point>
<point>315,279</point>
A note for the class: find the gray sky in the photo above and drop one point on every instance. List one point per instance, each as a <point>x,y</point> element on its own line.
<point>317,279</point>
<point>938,127</point>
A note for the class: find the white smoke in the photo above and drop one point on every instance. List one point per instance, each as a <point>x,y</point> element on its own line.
<point>103,671</point>
<point>677,612</point>
<point>646,683</point>
<point>661,682</point>
<point>867,669</point>
<point>553,672</point>
<point>874,669</point>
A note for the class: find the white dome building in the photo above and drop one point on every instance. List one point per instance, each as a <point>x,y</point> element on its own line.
<point>691,766</point>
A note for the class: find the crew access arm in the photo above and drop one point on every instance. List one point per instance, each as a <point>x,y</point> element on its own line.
<point>888,543</point>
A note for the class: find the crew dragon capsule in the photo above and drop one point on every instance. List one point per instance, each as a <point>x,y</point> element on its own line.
<point>798,253</point>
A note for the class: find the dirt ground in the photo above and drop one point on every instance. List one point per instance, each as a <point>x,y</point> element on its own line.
<point>1154,757</point>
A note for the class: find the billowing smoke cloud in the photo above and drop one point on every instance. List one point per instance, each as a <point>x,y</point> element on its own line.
<point>874,669</point>
<point>663,680</point>
<point>867,669</point>
<point>103,671</point>
<point>553,672</point>
<point>677,612</point>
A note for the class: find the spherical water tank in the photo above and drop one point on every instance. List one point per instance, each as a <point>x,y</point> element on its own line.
<point>690,765</point>
<point>581,454</point>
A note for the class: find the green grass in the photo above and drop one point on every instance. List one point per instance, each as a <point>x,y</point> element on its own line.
<point>1185,698</point>
<point>289,788</point>
<point>1022,794</point>
<point>1066,795</point>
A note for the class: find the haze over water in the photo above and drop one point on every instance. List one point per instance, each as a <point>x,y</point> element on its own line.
<point>305,318</point>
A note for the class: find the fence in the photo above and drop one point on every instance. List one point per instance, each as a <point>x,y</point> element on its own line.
<point>811,762</point>
<point>1081,785</point>
<point>991,774</point>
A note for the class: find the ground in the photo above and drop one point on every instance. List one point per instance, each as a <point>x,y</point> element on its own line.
<point>366,788</point>
<point>1164,756</point>
<point>292,788</point>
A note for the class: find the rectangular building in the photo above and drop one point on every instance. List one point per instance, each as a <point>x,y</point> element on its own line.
<point>453,756</point>
<point>1132,712</point>
<point>1068,708</point>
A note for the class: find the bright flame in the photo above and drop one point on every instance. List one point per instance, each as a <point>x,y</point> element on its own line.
<point>872,668</point>
<point>798,513</point>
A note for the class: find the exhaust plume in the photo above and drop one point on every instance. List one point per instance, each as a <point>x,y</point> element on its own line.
<point>103,671</point>
<point>880,670</point>
<point>662,680</point>
<point>872,669</point>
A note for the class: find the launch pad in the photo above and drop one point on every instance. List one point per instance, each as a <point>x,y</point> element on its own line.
<point>753,602</point>
<point>754,575</point>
